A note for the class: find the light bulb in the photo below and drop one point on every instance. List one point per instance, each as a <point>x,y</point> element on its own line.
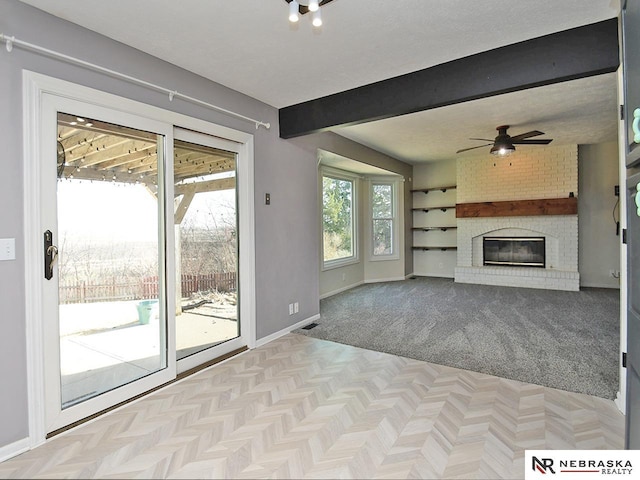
<point>314,6</point>
<point>294,7</point>
<point>317,19</point>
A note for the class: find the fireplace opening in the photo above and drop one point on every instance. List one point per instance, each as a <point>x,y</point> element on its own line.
<point>514,251</point>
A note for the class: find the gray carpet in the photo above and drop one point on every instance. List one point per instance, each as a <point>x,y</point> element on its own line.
<point>565,340</point>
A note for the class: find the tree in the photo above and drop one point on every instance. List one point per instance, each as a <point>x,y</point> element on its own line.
<point>337,206</point>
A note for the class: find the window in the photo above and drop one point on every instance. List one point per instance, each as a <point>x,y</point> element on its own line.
<point>338,219</point>
<point>383,219</point>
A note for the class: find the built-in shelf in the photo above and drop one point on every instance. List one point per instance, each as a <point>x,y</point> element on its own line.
<point>441,242</point>
<point>428,229</point>
<point>427,190</point>
<point>444,208</point>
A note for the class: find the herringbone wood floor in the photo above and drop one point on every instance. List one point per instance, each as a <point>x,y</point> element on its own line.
<point>300,407</point>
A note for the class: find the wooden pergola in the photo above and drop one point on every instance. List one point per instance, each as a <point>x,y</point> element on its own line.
<point>95,150</point>
<point>99,151</point>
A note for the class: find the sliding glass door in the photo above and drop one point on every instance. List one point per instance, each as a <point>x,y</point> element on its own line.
<point>110,285</point>
<point>140,248</point>
<point>104,264</point>
<point>206,245</point>
<point>107,257</point>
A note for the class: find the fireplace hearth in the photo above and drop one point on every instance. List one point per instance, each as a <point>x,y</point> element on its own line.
<point>514,251</point>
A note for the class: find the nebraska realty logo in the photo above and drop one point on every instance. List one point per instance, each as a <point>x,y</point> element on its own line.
<point>566,464</point>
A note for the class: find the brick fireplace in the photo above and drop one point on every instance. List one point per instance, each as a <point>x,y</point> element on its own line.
<point>523,179</point>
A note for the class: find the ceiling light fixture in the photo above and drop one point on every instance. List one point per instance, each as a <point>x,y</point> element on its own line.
<point>301,7</point>
<point>503,149</point>
<point>294,10</point>
<point>502,144</point>
<point>317,19</point>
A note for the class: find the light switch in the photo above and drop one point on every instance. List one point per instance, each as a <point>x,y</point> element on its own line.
<point>7,248</point>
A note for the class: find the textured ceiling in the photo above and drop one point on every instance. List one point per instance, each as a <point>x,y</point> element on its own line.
<point>250,46</point>
<point>578,112</point>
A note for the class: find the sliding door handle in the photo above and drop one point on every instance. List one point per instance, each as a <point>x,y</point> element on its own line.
<point>50,255</point>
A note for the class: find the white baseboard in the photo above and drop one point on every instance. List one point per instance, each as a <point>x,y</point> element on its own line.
<point>407,277</point>
<point>435,275</point>
<point>340,290</point>
<point>354,285</point>
<point>13,449</point>
<point>284,331</point>
<point>600,285</point>
<point>381,280</point>
<point>619,401</point>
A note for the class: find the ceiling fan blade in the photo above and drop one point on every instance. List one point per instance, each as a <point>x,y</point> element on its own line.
<point>522,136</point>
<point>483,139</point>
<point>473,148</point>
<point>532,142</point>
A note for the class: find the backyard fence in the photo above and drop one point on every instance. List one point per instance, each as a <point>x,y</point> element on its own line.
<point>142,289</point>
<point>222,282</point>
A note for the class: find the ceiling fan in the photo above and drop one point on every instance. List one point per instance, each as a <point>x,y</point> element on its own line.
<point>504,144</point>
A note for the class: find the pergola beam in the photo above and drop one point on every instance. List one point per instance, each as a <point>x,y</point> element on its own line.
<point>183,206</point>
<point>208,186</point>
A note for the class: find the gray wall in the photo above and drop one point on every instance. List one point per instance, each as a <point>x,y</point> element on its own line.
<point>287,233</point>
<point>598,244</point>
<point>335,143</point>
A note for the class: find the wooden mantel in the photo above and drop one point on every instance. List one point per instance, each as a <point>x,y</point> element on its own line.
<point>519,208</point>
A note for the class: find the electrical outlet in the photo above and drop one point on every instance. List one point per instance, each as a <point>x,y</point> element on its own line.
<point>616,190</point>
<point>291,309</point>
<point>7,248</point>
<point>296,307</point>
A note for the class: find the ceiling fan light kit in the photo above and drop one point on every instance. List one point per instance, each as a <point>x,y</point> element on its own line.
<point>503,150</point>
<point>504,144</point>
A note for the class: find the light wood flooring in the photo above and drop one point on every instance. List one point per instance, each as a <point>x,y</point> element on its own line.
<point>300,407</point>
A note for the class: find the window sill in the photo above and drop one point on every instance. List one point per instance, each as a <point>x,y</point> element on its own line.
<point>338,263</point>
<point>384,258</point>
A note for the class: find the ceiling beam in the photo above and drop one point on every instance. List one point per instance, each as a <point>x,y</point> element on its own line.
<point>568,55</point>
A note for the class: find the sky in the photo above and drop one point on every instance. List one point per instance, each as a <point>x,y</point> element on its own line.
<point>126,212</point>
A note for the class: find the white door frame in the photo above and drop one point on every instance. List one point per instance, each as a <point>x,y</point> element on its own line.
<point>35,86</point>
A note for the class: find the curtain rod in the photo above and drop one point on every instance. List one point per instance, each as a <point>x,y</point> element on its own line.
<point>11,41</point>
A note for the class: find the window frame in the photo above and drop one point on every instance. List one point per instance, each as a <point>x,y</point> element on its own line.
<point>337,174</point>
<point>395,233</point>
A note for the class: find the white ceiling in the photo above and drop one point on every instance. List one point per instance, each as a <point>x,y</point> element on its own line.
<point>578,112</point>
<point>250,46</point>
